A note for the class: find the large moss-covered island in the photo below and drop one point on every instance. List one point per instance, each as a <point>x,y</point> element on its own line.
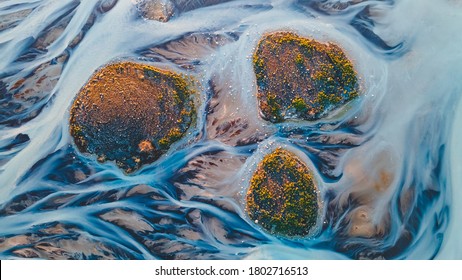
<point>131,113</point>
<point>283,197</point>
<point>300,78</point>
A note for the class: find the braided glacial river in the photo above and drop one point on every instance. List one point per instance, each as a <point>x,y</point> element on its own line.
<point>387,164</point>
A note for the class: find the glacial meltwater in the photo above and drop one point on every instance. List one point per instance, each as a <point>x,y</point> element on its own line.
<point>221,129</point>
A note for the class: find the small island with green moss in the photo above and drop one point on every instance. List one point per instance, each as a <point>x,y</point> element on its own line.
<point>300,78</point>
<point>282,197</point>
<point>131,113</point>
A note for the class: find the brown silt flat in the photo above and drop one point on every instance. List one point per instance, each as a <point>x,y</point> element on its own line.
<point>131,113</point>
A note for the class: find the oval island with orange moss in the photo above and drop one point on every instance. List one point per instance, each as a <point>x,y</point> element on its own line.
<point>131,113</point>
<point>300,78</point>
<point>283,197</point>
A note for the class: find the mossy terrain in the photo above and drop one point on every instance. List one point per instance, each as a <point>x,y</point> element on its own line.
<point>131,113</point>
<point>282,197</point>
<point>301,78</point>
